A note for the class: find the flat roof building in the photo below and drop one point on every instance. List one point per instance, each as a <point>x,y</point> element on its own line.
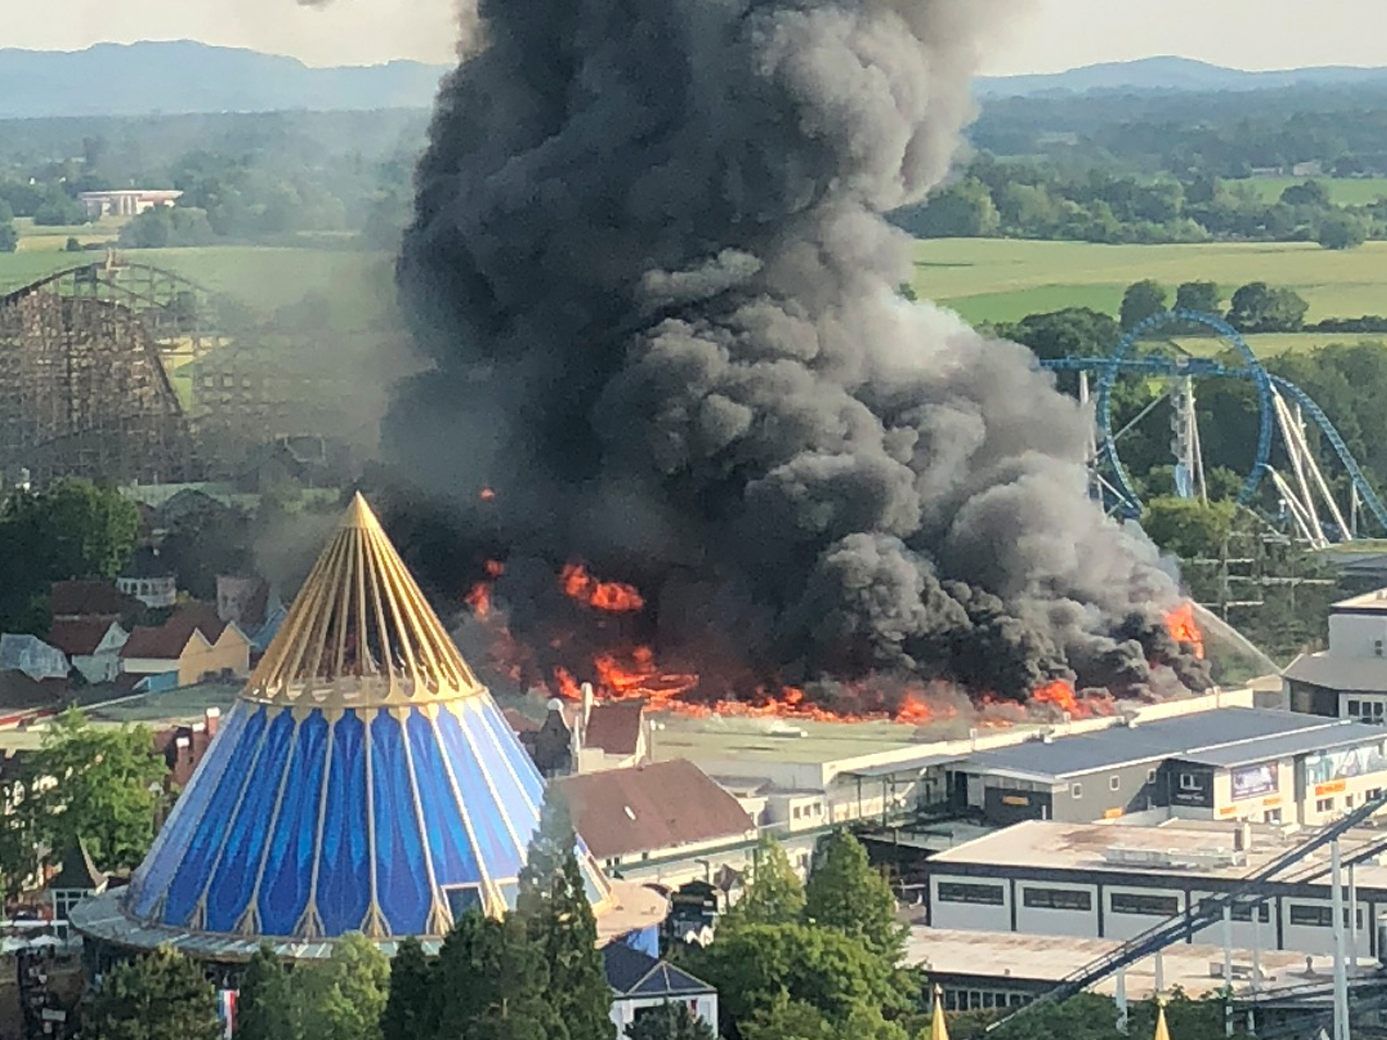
<point>1349,679</point>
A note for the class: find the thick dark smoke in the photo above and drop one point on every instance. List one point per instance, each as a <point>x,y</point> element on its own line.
<point>650,264</point>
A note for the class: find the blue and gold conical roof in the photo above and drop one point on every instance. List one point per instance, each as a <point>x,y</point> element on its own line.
<point>364,781</point>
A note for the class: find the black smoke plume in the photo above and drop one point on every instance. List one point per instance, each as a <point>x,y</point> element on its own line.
<point>650,266</point>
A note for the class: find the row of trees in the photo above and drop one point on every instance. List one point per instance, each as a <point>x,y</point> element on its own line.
<point>1255,307</point>
<point>1024,198</point>
<point>99,785</point>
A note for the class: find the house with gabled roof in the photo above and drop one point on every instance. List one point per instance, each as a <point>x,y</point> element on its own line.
<point>91,644</point>
<point>641,982</point>
<point>192,645</point>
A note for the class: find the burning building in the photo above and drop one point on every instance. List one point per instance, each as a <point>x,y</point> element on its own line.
<point>653,273</point>
<point>364,781</point>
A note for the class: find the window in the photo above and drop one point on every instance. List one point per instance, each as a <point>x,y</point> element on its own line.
<point>1324,805</point>
<point>1372,794</point>
<point>798,810</point>
<point>1077,790</point>
<point>1348,801</point>
<point>1114,783</point>
<point>960,892</point>
<point>1056,899</point>
<point>1317,916</point>
<point>1150,776</point>
<point>1355,708</point>
<point>1243,912</point>
<point>1272,816</point>
<point>1148,905</point>
<point>1190,782</point>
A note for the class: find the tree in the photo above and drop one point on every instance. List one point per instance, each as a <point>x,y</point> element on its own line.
<point>72,530</point>
<point>845,893</point>
<point>59,209</point>
<point>73,245</point>
<point>669,1022</point>
<point>105,789</point>
<point>343,997</point>
<point>19,845</point>
<point>787,1019</point>
<point>1257,307</point>
<point>492,984</point>
<point>962,210</point>
<point>553,906</point>
<point>1072,332</point>
<point>9,236</point>
<point>265,1004</point>
<point>775,895</point>
<point>1308,193</point>
<point>1203,297</point>
<point>159,996</point>
<point>1188,527</point>
<point>1141,301</point>
<point>1341,231</point>
<point>408,1013</point>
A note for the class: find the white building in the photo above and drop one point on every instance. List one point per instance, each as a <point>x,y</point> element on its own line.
<point>1114,881</point>
<point>1348,680</point>
<point>93,644</point>
<point>125,202</point>
<point>641,982</point>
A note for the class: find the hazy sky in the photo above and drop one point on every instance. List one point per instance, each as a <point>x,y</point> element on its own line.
<point>1044,35</point>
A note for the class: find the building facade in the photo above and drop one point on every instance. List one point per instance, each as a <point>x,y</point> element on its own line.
<point>1349,679</point>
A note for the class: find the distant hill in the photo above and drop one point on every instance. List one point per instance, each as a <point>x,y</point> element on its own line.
<point>1171,74</point>
<point>184,77</point>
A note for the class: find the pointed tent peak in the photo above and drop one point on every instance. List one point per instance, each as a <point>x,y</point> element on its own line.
<point>938,1026</point>
<point>359,515</point>
<point>1162,1029</point>
<point>79,871</point>
<point>360,632</point>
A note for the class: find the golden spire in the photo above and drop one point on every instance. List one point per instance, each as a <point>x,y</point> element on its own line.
<point>938,1027</point>
<point>360,633</point>
<point>1162,1030</point>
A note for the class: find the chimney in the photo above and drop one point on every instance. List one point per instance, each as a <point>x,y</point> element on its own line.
<point>212,719</point>
<point>588,700</point>
<point>1242,837</point>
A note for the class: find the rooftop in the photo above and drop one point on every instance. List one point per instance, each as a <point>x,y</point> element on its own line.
<point>98,597</point>
<point>658,806</point>
<point>1049,845</point>
<point>632,973</point>
<point>1196,969</point>
<point>79,637</point>
<point>615,728</point>
<point>1374,602</point>
<point>1340,672</point>
<point>1224,736</point>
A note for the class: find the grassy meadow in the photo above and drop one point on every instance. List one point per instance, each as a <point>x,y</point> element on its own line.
<point>1343,191</point>
<point>1004,279</point>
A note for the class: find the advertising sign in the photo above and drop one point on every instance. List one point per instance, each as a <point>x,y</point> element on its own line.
<point>1327,766</point>
<point>1254,781</point>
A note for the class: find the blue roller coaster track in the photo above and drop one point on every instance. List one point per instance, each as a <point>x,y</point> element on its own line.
<point>1122,362</point>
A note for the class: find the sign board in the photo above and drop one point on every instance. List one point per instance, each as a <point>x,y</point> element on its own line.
<point>1327,766</point>
<point>1254,781</point>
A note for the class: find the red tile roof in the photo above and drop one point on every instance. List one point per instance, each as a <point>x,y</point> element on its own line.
<point>656,806</point>
<point>519,722</point>
<point>78,636</point>
<point>166,642</point>
<point>96,598</point>
<point>615,728</point>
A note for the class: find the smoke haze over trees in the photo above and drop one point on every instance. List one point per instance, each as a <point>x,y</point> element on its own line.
<point>650,264</point>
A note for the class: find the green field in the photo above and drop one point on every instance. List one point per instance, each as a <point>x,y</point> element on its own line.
<point>1271,344</point>
<point>36,239</point>
<point>1004,280</point>
<point>1342,191</point>
<point>358,284</point>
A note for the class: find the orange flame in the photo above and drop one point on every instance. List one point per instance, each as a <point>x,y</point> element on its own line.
<point>568,686</point>
<point>487,494</point>
<point>1181,625</point>
<point>615,596</point>
<point>1060,693</point>
<point>478,598</point>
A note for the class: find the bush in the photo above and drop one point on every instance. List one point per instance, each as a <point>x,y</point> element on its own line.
<point>1341,231</point>
<point>9,237</point>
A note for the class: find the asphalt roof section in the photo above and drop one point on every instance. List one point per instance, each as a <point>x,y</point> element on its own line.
<point>1344,734</point>
<point>656,806</point>
<point>1350,674</point>
<point>633,973</point>
<point>1236,730</point>
<point>615,728</point>
<point>79,636</point>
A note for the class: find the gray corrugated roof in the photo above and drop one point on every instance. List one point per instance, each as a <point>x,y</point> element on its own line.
<point>1177,737</point>
<point>1362,674</point>
<point>1343,734</point>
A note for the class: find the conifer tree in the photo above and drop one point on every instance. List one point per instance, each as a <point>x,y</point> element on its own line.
<point>264,1005</point>
<point>553,904</point>
<point>160,996</point>
<point>775,894</point>
<point>491,984</point>
<point>408,1011</point>
<point>845,893</point>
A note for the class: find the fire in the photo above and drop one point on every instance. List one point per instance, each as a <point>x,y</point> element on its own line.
<point>487,494</point>
<point>1060,693</point>
<point>478,597</point>
<point>615,596</point>
<point>568,686</point>
<point>914,710</point>
<point>1181,625</point>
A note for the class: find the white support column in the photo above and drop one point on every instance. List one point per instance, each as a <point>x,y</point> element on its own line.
<point>1336,873</point>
